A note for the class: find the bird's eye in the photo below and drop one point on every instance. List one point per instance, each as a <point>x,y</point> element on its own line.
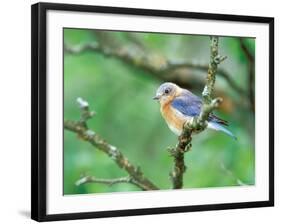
<point>167,91</point>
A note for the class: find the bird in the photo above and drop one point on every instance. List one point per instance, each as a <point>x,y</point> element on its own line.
<point>178,106</point>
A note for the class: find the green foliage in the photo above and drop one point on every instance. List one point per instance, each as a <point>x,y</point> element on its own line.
<point>128,118</point>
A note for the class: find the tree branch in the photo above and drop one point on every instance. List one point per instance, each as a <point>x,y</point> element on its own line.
<point>198,124</point>
<point>80,127</point>
<point>158,65</point>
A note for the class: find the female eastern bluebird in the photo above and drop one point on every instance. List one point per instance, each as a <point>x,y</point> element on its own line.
<point>179,105</point>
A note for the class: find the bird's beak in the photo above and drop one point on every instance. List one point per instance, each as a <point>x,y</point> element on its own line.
<point>157,97</point>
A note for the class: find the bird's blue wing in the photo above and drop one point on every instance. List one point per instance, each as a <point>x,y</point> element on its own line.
<point>188,104</point>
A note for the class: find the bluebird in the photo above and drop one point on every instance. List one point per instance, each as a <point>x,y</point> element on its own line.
<point>179,105</point>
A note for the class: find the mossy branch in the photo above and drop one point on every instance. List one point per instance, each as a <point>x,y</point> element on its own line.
<point>197,124</point>
<point>136,176</point>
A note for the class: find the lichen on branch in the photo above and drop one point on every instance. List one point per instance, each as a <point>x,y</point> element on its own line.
<point>197,124</point>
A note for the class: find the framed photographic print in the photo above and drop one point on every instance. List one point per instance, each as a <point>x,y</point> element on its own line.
<point>139,111</point>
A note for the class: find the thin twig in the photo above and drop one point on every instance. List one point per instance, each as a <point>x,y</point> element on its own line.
<point>230,173</point>
<point>80,127</point>
<point>92,179</point>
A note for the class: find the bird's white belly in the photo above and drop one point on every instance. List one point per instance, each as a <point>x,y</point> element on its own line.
<point>174,129</point>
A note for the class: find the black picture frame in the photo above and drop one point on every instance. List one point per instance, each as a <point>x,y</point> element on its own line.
<point>39,108</point>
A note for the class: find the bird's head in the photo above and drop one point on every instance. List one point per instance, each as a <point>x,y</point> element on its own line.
<point>167,92</point>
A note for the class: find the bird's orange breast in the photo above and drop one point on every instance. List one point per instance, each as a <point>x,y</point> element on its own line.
<point>174,119</point>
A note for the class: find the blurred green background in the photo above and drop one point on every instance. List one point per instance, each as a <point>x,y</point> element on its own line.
<point>121,91</point>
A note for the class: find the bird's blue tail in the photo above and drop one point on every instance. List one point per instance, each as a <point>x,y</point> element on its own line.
<point>219,127</point>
